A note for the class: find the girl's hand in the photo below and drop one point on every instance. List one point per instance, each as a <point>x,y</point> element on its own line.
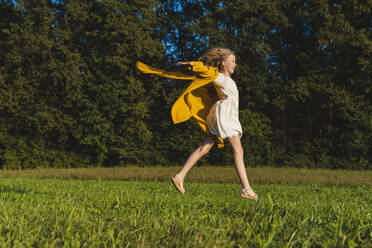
<point>188,63</point>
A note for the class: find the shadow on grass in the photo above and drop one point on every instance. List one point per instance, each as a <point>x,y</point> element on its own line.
<point>4,189</point>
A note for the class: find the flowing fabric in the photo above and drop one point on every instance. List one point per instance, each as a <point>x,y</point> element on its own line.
<point>197,100</point>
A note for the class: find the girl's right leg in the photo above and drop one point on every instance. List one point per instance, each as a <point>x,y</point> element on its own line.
<point>190,162</point>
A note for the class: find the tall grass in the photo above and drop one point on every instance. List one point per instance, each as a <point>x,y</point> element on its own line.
<point>107,213</point>
<point>204,174</point>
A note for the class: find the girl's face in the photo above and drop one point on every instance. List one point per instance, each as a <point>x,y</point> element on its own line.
<point>228,65</point>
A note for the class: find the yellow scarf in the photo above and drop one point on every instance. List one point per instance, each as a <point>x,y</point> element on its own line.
<point>197,99</point>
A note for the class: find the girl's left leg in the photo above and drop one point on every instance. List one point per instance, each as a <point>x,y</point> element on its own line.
<point>239,164</point>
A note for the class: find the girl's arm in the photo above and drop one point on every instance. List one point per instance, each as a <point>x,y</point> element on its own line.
<point>188,63</point>
<point>200,69</point>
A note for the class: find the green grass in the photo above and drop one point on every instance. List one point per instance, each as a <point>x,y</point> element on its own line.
<point>219,174</point>
<point>113,213</point>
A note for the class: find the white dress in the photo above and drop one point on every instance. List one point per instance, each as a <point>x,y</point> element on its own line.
<point>223,118</point>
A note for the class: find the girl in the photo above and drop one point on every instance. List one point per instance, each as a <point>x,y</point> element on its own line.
<point>216,109</point>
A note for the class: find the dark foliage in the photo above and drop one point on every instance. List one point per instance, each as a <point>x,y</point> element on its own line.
<point>70,94</point>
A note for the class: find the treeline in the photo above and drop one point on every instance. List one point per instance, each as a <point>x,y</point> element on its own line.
<point>70,94</point>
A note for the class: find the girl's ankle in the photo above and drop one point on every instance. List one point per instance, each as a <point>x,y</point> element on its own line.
<point>179,178</point>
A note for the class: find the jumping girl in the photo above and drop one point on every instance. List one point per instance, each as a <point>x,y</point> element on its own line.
<point>212,99</point>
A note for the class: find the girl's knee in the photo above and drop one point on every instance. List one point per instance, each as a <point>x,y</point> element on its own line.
<point>204,150</point>
<point>239,151</point>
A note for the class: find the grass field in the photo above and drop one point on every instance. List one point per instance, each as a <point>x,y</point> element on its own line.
<point>205,174</point>
<point>119,213</point>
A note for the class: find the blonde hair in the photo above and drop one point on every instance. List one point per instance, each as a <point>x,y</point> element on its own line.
<point>215,56</point>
